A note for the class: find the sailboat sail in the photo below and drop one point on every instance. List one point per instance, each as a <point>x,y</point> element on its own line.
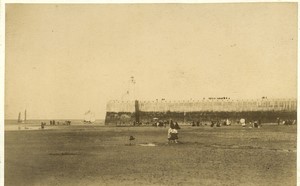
<point>86,115</point>
<point>93,119</point>
<point>89,117</point>
<point>19,118</point>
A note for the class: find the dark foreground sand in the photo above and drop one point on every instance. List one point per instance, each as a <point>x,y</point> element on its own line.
<point>89,155</point>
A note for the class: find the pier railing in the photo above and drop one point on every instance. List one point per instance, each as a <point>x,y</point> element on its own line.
<point>204,105</point>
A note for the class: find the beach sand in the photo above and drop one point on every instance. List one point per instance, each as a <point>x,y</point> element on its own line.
<point>97,155</point>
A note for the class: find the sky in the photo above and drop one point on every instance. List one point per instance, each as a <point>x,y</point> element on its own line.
<point>62,59</point>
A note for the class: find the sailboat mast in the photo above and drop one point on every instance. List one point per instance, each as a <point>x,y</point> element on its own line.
<point>19,117</point>
<point>25,116</point>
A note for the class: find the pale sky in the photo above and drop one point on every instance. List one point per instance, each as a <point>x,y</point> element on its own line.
<point>62,60</point>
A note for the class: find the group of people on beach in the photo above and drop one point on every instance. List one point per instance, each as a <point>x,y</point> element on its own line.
<point>43,125</point>
<point>286,122</point>
<point>212,123</point>
<point>227,122</point>
<point>53,122</point>
<point>251,123</point>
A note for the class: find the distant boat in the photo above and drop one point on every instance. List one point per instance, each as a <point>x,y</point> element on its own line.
<point>20,120</point>
<point>89,117</point>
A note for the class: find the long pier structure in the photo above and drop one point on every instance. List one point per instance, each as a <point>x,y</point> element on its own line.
<point>267,110</point>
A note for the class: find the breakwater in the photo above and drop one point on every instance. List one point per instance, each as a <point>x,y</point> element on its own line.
<point>267,110</point>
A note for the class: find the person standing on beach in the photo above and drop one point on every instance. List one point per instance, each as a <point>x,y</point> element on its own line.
<point>170,131</point>
<point>278,121</point>
<point>173,133</point>
<point>228,122</point>
<point>43,125</point>
<point>169,134</point>
<point>243,122</point>
<point>259,123</point>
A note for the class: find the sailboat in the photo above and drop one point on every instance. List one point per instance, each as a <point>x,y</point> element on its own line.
<point>89,117</point>
<point>20,120</point>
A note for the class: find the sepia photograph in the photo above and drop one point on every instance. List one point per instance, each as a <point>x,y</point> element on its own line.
<point>156,94</point>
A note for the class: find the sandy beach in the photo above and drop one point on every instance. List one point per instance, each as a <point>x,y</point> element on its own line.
<point>99,155</point>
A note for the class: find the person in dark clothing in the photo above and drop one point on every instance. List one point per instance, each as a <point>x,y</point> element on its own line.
<point>177,126</point>
<point>278,121</point>
<point>172,125</point>
<point>218,123</point>
<point>43,125</point>
<point>212,123</point>
<point>255,124</point>
<point>172,133</point>
<point>259,123</point>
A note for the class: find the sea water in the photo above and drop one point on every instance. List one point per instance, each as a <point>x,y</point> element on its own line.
<point>36,124</point>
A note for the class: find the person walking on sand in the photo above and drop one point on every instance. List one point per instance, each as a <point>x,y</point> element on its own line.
<point>172,133</point>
